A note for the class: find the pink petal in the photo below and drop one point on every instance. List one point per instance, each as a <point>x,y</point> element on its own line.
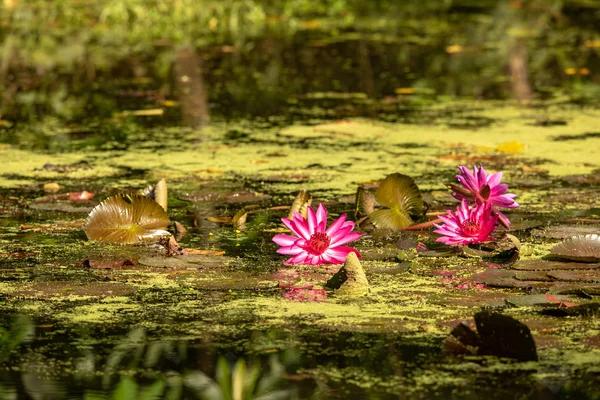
<point>350,237</point>
<point>341,252</point>
<point>494,179</point>
<point>301,226</point>
<point>321,216</point>
<point>290,250</point>
<point>298,258</point>
<point>291,226</point>
<point>284,240</point>
<point>340,233</point>
<point>336,225</point>
<point>312,219</point>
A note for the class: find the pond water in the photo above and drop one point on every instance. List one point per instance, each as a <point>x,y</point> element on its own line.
<point>320,98</point>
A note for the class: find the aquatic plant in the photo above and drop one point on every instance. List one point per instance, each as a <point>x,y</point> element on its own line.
<point>126,219</point>
<point>584,248</point>
<point>313,243</point>
<point>403,200</point>
<point>482,187</point>
<point>467,225</point>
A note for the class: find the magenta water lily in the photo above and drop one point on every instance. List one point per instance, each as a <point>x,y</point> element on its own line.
<point>480,187</point>
<point>467,225</point>
<point>314,243</point>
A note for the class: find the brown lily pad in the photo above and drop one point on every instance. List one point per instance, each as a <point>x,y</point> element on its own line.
<point>503,278</point>
<point>565,231</point>
<point>587,275</point>
<point>576,288</point>
<point>533,276</point>
<point>542,265</point>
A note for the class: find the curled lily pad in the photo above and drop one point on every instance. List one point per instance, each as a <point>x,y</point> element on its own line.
<point>301,203</point>
<point>157,192</point>
<point>350,280</point>
<point>584,248</point>
<point>126,219</point>
<point>402,197</point>
<point>365,202</point>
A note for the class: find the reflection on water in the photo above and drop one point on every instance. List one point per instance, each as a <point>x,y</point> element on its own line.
<point>84,61</point>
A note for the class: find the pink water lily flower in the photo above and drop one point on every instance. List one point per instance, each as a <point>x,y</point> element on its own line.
<point>482,187</point>
<point>467,225</point>
<point>313,244</point>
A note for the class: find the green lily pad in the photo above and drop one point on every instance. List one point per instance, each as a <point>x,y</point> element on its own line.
<point>537,300</point>
<point>402,197</point>
<point>126,219</point>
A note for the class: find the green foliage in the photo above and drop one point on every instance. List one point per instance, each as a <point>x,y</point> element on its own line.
<point>19,332</point>
<point>404,203</point>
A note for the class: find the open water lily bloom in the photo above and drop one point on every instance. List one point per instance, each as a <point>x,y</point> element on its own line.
<point>475,182</point>
<point>467,225</point>
<point>485,188</point>
<point>314,243</point>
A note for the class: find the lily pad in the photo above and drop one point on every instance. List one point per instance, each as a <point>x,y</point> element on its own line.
<point>158,193</point>
<point>542,265</point>
<point>301,203</point>
<point>503,278</point>
<point>533,276</point>
<point>579,248</point>
<point>126,219</point>
<point>402,197</point>
<point>350,280</point>
<point>537,300</point>
<point>565,231</point>
<point>504,336</point>
<point>586,275</point>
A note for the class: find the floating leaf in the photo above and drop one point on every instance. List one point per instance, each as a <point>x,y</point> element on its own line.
<point>350,280</point>
<point>504,336</point>
<point>239,219</point>
<point>301,203</point>
<point>126,219</point>
<point>160,193</point>
<point>402,197</point>
<point>157,192</point>
<point>365,202</point>
<point>584,248</point>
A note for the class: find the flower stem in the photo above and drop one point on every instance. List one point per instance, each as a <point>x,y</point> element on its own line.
<point>423,225</point>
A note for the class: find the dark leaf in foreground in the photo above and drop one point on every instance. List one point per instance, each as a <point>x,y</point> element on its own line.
<point>126,219</point>
<point>591,310</point>
<point>402,197</point>
<point>504,336</point>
